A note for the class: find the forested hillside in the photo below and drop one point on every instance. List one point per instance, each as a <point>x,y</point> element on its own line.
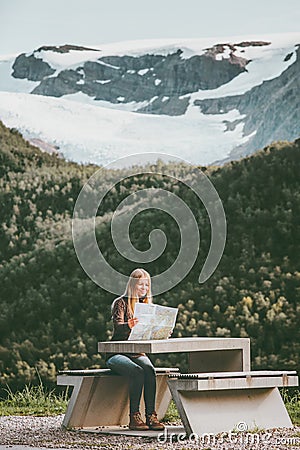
<point>52,315</point>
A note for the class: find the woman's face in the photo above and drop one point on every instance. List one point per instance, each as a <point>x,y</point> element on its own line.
<point>142,286</point>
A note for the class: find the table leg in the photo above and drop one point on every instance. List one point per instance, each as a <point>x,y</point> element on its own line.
<point>236,360</point>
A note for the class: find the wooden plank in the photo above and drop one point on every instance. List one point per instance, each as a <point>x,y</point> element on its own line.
<point>85,372</point>
<point>234,383</point>
<point>252,374</point>
<point>99,372</point>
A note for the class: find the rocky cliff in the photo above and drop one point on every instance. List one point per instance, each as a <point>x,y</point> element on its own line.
<point>156,79</point>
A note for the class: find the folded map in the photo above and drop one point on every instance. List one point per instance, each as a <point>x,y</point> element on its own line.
<point>155,322</point>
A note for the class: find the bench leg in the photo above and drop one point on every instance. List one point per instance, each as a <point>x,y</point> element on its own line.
<point>221,410</point>
<point>163,395</point>
<point>103,401</point>
<point>98,401</point>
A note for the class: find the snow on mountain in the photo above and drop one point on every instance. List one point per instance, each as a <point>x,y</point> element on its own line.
<point>86,133</point>
<point>190,98</point>
<point>265,64</point>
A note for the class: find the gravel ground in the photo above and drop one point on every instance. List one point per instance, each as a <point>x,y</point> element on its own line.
<point>46,432</point>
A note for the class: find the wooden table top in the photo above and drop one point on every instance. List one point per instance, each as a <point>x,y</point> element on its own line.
<point>173,345</point>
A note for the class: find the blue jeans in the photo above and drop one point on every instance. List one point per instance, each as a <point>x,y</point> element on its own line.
<point>141,374</point>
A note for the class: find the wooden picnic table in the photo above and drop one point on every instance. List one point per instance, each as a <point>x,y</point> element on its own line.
<point>218,393</point>
<point>225,390</point>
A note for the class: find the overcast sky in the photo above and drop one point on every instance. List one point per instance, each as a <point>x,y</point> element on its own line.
<point>28,24</point>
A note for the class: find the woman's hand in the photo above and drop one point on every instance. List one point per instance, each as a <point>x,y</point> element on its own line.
<point>132,322</point>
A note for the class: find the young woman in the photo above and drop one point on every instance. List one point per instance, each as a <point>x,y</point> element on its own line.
<point>137,367</point>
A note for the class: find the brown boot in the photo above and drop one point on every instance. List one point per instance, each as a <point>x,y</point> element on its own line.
<point>136,422</point>
<point>153,422</point>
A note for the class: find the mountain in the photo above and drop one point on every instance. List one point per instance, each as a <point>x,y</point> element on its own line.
<point>207,100</point>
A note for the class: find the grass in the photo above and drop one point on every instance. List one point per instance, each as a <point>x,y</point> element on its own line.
<point>172,414</point>
<point>292,403</point>
<point>33,401</point>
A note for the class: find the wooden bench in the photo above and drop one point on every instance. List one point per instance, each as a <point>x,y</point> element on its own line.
<point>225,401</point>
<point>100,397</point>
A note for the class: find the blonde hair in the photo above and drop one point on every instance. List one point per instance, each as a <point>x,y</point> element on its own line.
<point>131,291</point>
